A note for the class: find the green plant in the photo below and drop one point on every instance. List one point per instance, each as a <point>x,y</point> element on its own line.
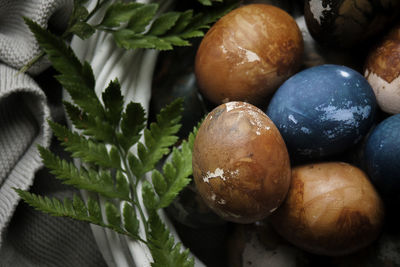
<point>108,167</point>
<point>117,154</point>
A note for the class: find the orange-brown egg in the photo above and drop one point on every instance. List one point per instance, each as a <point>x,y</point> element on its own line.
<point>247,54</point>
<point>382,71</point>
<point>331,209</point>
<point>241,165</point>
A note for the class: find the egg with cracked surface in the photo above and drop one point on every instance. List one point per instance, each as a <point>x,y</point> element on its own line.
<point>323,111</point>
<point>247,54</point>
<point>349,23</point>
<point>331,209</point>
<point>382,70</point>
<point>241,166</point>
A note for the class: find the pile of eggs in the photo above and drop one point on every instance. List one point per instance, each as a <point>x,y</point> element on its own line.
<point>302,130</point>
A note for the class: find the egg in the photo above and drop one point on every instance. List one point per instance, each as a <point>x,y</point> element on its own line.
<point>315,54</point>
<point>382,154</point>
<point>323,110</point>
<point>241,166</point>
<point>348,23</point>
<point>331,209</point>
<point>382,70</point>
<point>247,54</point>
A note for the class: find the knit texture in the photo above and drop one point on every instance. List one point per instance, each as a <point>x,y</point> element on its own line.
<point>37,239</point>
<point>23,114</point>
<point>17,44</point>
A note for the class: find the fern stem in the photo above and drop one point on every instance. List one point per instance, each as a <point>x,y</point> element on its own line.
<point>133,186</point>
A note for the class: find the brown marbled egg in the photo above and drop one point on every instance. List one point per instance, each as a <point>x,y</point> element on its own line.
<point>331,209</point>
<point>382,70</point>
<point>247,54</point>
<point>241,166</point>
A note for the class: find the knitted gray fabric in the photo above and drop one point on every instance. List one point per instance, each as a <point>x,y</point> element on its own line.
<point>23,114</point>
<point>37,239</point>
<point>17,44</point>
<point>28,237</point>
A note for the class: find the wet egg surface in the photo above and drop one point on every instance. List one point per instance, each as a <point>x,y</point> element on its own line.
<point>240,163</point>
<point>323,110</point>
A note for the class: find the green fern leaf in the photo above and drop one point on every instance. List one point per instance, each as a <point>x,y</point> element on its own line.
<point>163,23</point>
<point>163,248</point>
<point>142,17</point>
<point>75,209</point>
<point>100,182</point>
<point>76,78</point>
<point>132,123</point>
<point>118,13</point>
<point>175,178</point>
<point>94,211</point>
<point>87,150</point>
<point>99,129</point>
<point>113,102</point>
<point>149,197</point>
<point>131,223</point>
<point>157,139</point>
<point>113,216</point>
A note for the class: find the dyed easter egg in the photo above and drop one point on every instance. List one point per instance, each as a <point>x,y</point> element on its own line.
<point>382,70</point>
<point>382,156</point>
<point>241,166</point>
<point>323,110</point>
<point>347,23</point>
<point>247,54</point>
<point>315,54</point>
<point>331,209</point>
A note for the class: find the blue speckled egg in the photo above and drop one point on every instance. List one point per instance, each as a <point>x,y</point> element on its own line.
<point>382,156</point>
<point>323,110</point>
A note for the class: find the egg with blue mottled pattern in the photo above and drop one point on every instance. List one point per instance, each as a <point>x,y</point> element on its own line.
<point>382,154</point>
<point>323,110</point>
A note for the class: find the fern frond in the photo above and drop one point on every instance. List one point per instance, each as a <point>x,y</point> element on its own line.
<point>86,149</point>
<point>76,78</point>
<point>100,130</point>
<point>157,139</point>
<point>165,252</point>
<point>77,209</point>
<point>100,182</point>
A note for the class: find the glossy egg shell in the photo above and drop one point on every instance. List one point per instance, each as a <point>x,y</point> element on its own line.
<point>382,70</point>
<point>241,167</point>
<point>382,156</point>
<point>323,110</point>
<point>348,23</point>
<point>331,209</point>
<point>247,54</point>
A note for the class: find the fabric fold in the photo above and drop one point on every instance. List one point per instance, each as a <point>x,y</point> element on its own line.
<point>23,126</point>
<point>17,44</point>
